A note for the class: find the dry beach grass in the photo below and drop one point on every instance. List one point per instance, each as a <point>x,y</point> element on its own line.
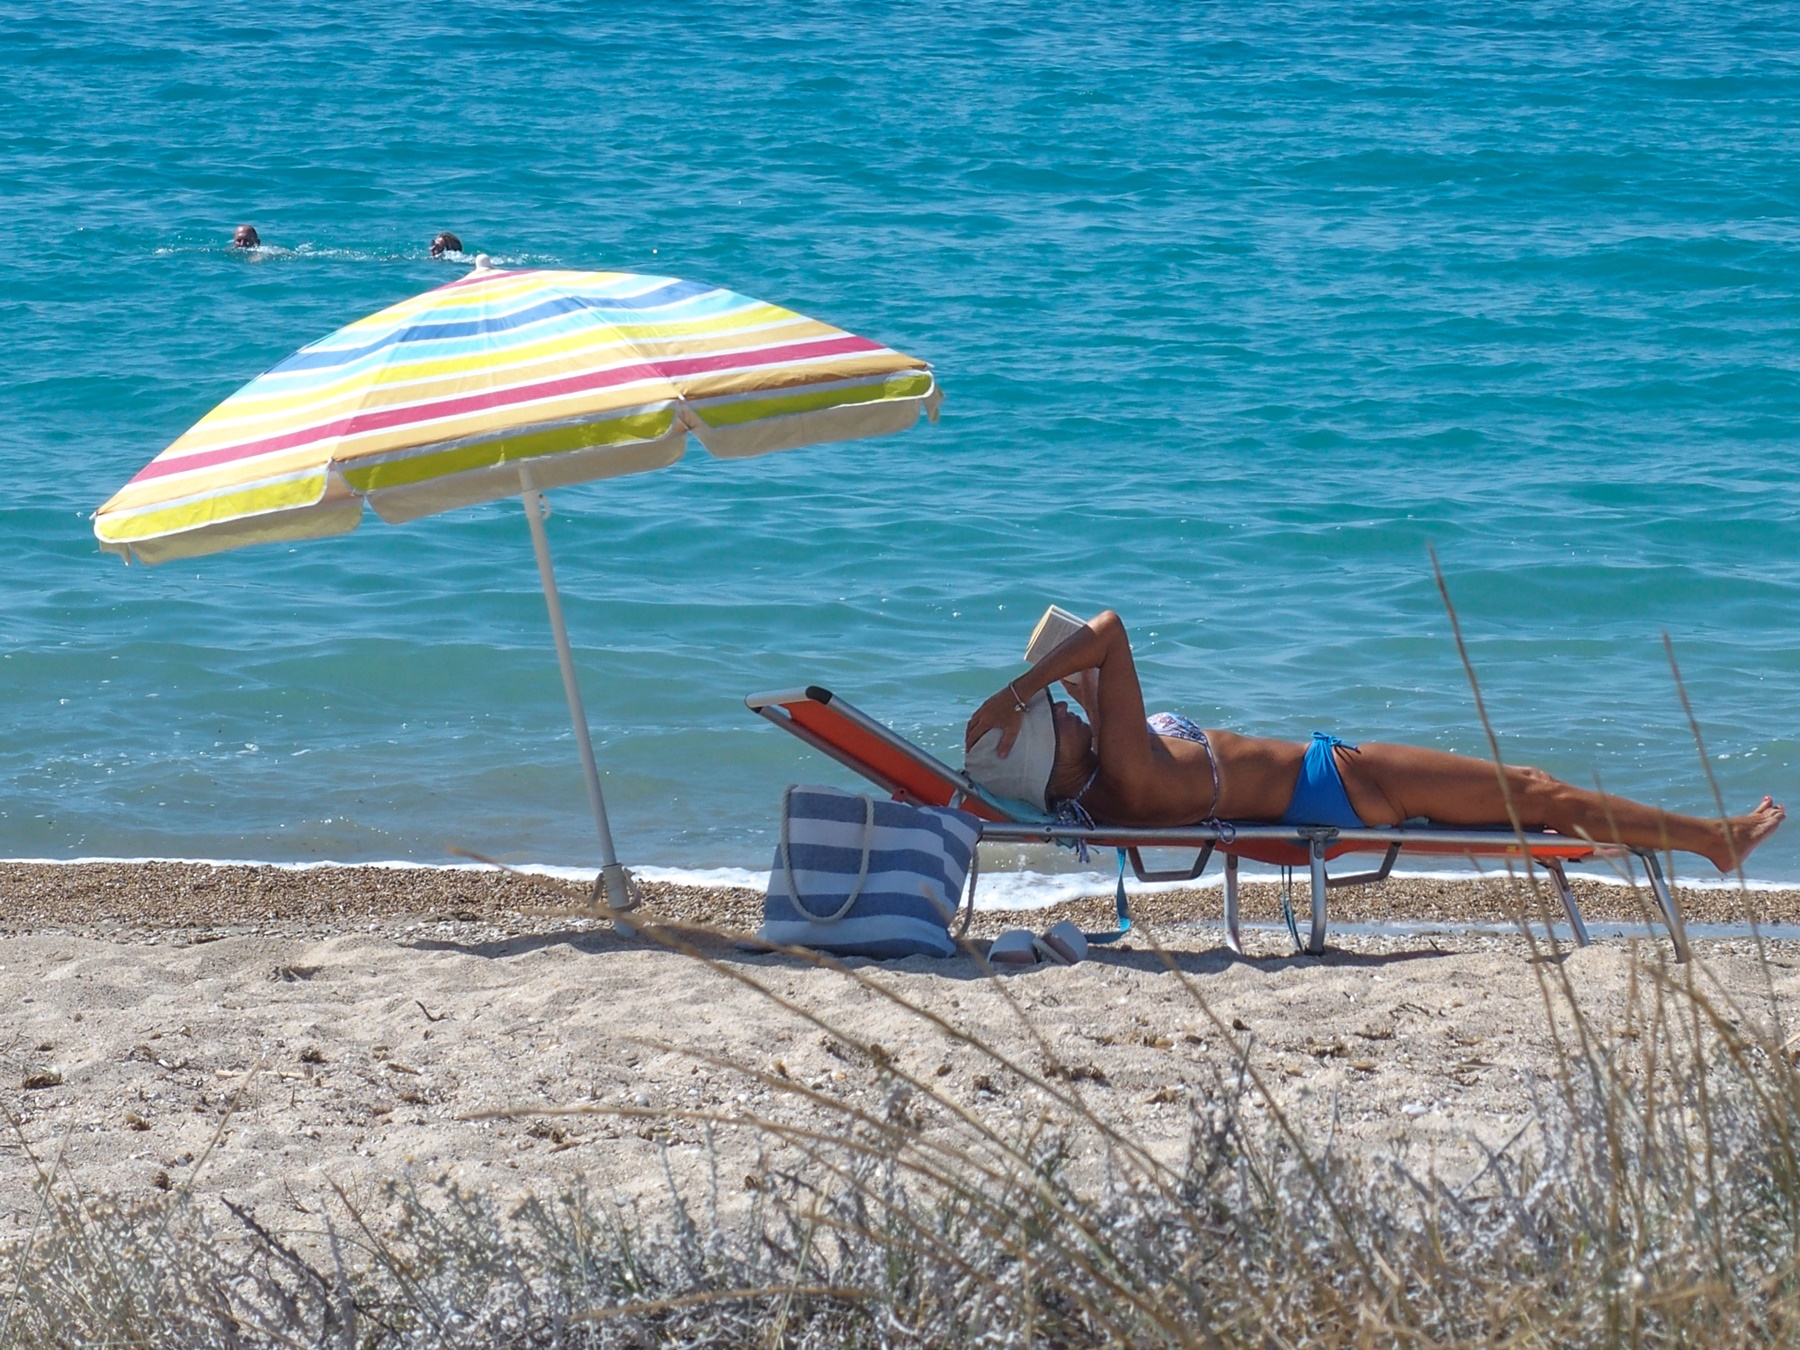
<point>381,1106</point>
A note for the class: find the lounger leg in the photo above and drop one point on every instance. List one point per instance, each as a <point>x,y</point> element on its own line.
<point>1555,868</point>
<point>1316,943</point>
<point>1671,916</point>
<point>1234,938</point>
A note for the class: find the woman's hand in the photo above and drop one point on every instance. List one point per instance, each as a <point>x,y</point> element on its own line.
<point>1001,710</point>
<point>1084,687</point>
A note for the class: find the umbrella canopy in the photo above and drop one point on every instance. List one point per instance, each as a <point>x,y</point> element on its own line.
<point>502,384</point>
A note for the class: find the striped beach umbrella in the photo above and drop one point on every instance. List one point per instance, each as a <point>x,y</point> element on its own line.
<point>506,383</point>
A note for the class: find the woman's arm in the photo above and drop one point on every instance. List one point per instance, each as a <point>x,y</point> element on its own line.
<point>1084,687</point>
<point>1102,646</point>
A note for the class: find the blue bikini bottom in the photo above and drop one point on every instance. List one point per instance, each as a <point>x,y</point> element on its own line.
<point>1319,797</point>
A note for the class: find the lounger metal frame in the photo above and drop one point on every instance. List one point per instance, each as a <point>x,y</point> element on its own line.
<point>928,781</point>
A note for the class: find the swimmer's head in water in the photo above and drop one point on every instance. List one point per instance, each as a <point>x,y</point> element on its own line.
<point>445,243</point>
<point>246,236</point>
<point>1023,774</point>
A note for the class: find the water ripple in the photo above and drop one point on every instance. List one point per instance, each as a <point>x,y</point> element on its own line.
<point>1237,313</point>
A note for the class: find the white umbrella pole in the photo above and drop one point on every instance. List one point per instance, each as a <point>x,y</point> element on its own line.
<point>618,893</point>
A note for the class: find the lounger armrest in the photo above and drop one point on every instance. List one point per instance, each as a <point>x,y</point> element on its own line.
<point>815,693</point>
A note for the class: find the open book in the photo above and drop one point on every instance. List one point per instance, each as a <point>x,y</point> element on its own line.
<point>1052,630</point>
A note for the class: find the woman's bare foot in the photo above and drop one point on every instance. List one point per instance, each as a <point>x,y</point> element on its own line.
<point>1745,833</point>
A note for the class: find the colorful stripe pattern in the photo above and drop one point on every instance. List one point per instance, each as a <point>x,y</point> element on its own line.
<point>501,381</point>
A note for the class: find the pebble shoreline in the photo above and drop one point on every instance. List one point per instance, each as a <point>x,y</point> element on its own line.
<point>175,896</point>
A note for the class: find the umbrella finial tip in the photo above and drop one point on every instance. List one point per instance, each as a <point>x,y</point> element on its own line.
<point>483,263</point>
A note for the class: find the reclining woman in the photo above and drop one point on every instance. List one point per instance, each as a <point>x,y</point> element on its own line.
<point>1124,769</point>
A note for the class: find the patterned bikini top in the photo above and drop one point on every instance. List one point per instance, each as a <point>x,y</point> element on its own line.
<point>1179,728</point>
<point>1175,727</point>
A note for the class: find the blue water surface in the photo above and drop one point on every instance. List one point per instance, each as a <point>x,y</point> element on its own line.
<point>1239,310</point>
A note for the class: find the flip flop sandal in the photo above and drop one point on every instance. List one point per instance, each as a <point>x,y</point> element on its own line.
<point>1014,948</point>
<point>1062,945</point>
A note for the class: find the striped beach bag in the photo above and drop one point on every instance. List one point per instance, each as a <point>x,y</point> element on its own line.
<point>859,876</point>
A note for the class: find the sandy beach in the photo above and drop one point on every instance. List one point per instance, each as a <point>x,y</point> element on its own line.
<point>264,1034</point>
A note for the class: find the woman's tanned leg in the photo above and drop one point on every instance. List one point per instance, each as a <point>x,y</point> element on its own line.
<point>1387,784</point>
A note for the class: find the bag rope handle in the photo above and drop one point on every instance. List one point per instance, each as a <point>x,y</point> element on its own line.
<point>862,874</point>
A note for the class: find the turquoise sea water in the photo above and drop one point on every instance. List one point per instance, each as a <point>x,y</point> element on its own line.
<point>1237,310</point>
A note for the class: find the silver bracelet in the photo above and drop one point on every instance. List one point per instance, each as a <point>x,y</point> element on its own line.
<point>1018,703</point>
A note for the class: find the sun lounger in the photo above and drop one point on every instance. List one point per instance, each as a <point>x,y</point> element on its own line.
<point>897,766</point>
